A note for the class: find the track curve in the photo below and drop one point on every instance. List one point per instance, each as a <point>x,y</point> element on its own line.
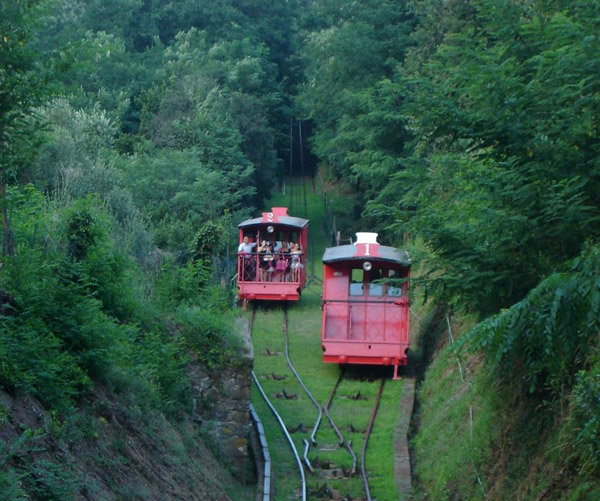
<point>280,421</point>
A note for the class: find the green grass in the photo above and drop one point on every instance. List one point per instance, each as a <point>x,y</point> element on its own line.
<point>380,453</point>
<point>445,451</point>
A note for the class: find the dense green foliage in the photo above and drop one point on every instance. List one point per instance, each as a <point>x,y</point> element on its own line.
<point>135,134</point>
<point>133,137</point>
<point>550,334</point>
<point>477,132</point>
<point>473,127</point>
<point>547,345</point>
<point>79,316</point>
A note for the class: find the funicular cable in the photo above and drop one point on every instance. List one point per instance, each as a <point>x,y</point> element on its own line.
<point>291,163</point>
<point>302,168</point>
<point>310,250</point>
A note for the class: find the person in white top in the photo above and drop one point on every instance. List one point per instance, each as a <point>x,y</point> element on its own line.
<point>249,266</point>
<point>246,246</point>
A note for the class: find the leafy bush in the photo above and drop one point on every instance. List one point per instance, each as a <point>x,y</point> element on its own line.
<point>160,364</point>
<point>33,360</point>
<point>585,427</point>
<point>181,284</point>
<point>24,478</point>
<point>60,337</point>
<point>76,319</point>
<point>48,480</point>
<point>207,241</point>
<point>549,334</point>
<point>209,336</point>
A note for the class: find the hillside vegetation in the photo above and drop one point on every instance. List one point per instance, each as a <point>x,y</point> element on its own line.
<point>133,137</point>
<point>471,129</point>
<point>135,134</point>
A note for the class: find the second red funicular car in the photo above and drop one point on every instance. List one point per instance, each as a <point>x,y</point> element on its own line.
<point>365,304</point>
<point>279,272</point>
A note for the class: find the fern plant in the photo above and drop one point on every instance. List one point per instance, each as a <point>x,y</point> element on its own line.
<point>551,333</point>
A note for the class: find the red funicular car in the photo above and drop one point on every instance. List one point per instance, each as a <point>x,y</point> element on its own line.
<point>365,304</point>
<point>272,257</point>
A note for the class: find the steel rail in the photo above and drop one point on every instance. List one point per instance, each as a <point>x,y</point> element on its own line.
<point>285,432</point>
<point>326,408</point>
<point>278,418</point>
<point>261,435</point>
<point>366,440</point>
<point>306,460</point>
<point>289,362</point>
<point>265,452</point>
<point>347,444</point>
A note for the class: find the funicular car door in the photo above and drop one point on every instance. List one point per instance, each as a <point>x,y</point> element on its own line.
<point>374,313</point>
<point>366,312</point>
<point>396,309</point>
<point>335,318</point>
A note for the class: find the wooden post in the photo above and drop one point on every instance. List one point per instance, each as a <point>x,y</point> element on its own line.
<point>9,246</point>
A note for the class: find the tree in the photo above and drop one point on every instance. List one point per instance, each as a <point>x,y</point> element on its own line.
<point>503,171</point>
<point>346,60</point>
<point>21,88</point>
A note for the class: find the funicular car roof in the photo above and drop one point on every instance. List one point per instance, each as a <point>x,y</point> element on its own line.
<point>383,253</point>
<point>294,222</point>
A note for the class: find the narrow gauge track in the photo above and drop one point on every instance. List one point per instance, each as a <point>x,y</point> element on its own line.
<point>365,387</point>
<point>267,493</point>
<point>363,461</point>
<point>342,441</point>
<point>348,444</point>
<point>291,366</point>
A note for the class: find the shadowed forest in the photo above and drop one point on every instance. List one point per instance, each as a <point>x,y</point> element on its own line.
<point>136,134</point>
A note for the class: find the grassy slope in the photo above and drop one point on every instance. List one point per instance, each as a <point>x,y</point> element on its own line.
<point>109,449</point>
<point>304,336</point>
<point>513,444</point>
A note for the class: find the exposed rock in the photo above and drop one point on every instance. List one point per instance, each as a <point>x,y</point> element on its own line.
<point>221,404</point>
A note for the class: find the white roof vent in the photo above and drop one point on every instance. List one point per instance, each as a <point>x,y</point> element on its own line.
<point>366,238</point>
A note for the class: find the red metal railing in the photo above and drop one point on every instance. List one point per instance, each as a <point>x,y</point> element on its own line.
<point>366,320</point>
<point>250,269</point>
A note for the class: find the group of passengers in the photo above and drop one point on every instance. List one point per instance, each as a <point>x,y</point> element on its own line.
<point>280,262</point>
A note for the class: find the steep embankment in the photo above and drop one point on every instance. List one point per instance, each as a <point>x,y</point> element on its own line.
<point>119,446</point>
<point>111,450</point>
<point>516,415</point>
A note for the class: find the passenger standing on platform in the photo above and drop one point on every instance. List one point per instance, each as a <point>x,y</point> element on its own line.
<point>269,260</point>
<point>281,266</point>
<point>262,250</point>
<point>296,263</point>
<point>246,246</point>
<point>285,252</point>
<point>245,253</point>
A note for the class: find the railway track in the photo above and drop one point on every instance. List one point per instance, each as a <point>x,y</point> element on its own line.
<point>351,411</point>
<point>343,442</point>
<point>363,460</point>
<point>367,433</point>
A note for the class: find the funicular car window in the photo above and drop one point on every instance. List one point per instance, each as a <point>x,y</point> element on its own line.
<point>375,283</point>
<point>356,282</point>
<point>394,288</point>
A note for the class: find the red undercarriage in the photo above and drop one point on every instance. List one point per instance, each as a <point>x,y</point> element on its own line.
<point>269,291</point>
<point>349,352</point>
